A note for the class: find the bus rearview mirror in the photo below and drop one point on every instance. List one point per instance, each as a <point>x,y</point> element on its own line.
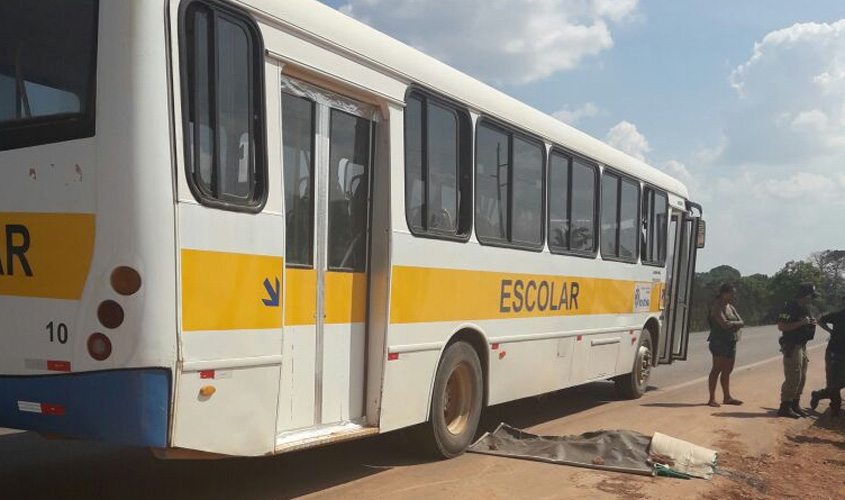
<point>702,234</point>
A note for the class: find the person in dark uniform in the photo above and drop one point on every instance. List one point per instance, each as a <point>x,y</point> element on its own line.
<point>798,327</point>
<point>725,324</point>
<point>834,363</point>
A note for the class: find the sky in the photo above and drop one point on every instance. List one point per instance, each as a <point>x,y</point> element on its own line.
<point>744,101</point>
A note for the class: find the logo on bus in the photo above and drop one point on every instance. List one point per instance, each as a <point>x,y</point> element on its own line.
<point>538,295</point>
<point>642,298</point>
<point>13,261</point>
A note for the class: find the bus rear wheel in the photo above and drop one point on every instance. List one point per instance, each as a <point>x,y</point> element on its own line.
<point>455,403</point>
<point>633,385</point>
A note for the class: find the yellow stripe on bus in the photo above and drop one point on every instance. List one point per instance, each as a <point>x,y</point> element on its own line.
<point>300,296</point>
<point>421,295</point>
<point>45,255</point>
<point>227,291</point>
<point>346,297</point>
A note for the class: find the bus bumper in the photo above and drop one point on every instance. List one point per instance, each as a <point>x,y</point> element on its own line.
<point>123,406</point>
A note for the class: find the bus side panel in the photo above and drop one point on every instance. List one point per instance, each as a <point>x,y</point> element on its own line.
<point>438,286</point>
<point>230,286</point>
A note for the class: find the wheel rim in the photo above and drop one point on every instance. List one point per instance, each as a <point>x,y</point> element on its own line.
<point>644,366</point>
<point>457,399</point>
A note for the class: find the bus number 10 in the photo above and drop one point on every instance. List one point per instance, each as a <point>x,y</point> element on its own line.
<point>57,332</point>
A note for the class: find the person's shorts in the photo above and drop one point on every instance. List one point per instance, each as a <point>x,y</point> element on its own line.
<point>723,348</point>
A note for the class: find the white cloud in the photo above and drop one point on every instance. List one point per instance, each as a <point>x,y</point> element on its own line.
<point>792,91</point>
<point>810,121</point>
<point>775,182</point>
<point>800,184</point>
<point>573,116</point>
<point>616,10</point>
<point>501,41</point>
<point>625,137</point>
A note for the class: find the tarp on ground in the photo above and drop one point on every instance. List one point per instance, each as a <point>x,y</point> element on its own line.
<point>616,450</point>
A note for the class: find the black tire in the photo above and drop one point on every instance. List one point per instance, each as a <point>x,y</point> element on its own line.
<point>455,403</point>
<point>633,385</point>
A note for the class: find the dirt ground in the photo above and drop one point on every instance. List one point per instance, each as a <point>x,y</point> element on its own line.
<point>807,464</point>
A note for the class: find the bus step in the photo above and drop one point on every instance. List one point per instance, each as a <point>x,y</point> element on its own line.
<point>322,435</point>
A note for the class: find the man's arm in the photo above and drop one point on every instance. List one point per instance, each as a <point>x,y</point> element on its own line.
<point>786,326</point>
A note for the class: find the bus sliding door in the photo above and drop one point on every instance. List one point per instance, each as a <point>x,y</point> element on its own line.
<point>674,340</point>
<point>328,150</point>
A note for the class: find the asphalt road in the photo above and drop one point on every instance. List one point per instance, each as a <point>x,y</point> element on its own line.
<point>757,344</point>
<point>35,468</point>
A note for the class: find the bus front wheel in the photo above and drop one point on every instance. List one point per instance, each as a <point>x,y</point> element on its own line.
<point>633,385</point>
<point>455,403</point>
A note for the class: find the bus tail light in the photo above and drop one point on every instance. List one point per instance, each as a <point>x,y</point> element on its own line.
<point>125,280</point>
<point>110,314</point>
<point>99,346</point>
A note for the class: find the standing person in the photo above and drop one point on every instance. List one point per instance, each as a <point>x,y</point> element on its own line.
<point>798,327</point>
<point>725,324</point>
<point>834,363</point>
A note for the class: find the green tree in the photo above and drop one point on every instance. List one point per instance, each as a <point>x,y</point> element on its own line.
<point>754,298</point>
<point>786,281</point>
<point>831,263</point>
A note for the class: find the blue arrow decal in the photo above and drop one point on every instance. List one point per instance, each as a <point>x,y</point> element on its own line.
<point>273,293</point>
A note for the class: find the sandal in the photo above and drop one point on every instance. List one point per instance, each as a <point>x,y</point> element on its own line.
<point>733,402</point>
<point>713,404</point>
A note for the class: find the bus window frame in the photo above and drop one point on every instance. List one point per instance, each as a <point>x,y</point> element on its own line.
<point>621,176</point>
<point>646,187</point>
<point>60,127</point>
<point>512,132</point>
<point>465,206</point>
<point>572,156</point>
<point>258,125</point>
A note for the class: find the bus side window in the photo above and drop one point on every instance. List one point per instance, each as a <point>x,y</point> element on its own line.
<point>438,172</point>
<point>572,205</point>
<point>510,188</point>
<point>223,94</point>
<point>655,220</point>
<point>620,217</point>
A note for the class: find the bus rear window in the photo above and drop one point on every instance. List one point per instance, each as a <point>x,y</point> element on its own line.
<point>48,56</point>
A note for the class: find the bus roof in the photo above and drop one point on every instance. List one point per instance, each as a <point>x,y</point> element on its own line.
<point>393,57</point>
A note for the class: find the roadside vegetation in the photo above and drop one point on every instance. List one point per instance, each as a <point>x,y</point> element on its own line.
<point>760,296</point>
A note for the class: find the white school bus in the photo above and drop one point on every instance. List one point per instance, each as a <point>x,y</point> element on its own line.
<point>249,227</point>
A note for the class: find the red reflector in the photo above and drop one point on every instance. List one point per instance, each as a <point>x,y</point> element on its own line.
<point>494,346</point>
<point>48,409</point>
<point>393,356</point>
<point>58,366</point>
<point>579,338</point>
<point>207,374</point>
<point>503,354</point>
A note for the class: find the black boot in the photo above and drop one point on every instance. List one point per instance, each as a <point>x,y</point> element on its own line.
<point>785,410</point>
<point>797,409</point>
<point>815,397</point>
<point>835,412</point>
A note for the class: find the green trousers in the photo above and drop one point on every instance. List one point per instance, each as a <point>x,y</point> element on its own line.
<point>795,363</point>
